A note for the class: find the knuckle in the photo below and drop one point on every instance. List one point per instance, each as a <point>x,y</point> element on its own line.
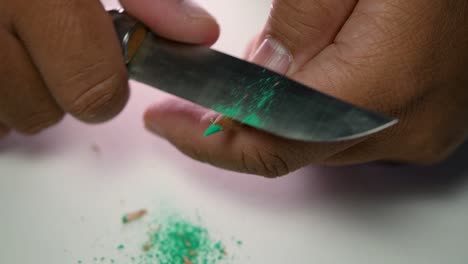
<point>262,162</point>
<point>101,99</point>
<point>36,122</point>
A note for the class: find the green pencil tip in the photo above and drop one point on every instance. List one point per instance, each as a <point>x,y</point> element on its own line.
<point>212,129</point>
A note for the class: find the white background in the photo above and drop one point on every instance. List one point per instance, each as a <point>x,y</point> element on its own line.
<point>61,202</point>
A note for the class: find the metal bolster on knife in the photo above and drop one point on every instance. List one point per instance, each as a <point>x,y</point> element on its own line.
<point>131,33</point>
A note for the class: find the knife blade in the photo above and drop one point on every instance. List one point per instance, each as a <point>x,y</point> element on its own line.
<point>243,91</point>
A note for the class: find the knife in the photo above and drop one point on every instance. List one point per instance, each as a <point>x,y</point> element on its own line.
<point>240,90</point>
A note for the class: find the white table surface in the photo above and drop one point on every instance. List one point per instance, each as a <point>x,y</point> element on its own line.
<point>61,201</point>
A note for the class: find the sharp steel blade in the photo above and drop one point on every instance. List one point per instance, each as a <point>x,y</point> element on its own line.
<point>249,93</point>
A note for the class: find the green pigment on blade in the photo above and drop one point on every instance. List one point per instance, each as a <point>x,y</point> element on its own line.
<point>264,98</point>
<point>249,108</point>
<point>229,111</point>
<point>253,120</point>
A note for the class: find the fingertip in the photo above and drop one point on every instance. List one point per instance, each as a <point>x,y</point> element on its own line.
<point>212,32</point>
<point>183,21</point>
<point>168,114</point>
<point>202,21</point>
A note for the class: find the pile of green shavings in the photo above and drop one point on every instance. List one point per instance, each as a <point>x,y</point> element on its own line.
<point>173,239</point>
<point>179,241</point>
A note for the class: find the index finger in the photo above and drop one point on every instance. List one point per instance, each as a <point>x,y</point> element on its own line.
<point>180,20</point>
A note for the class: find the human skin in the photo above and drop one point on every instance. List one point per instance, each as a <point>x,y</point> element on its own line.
<point>63,56</point>
<point>404,58</point>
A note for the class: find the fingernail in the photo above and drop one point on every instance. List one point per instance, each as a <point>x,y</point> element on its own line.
<point>194,10</point>
<point>272,55</point>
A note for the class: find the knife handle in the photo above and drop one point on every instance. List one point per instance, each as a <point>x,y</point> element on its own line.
<point>130,32</point>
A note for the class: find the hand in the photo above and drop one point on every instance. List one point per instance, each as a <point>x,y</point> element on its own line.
<point>407,59</point>
<point>62,56</point>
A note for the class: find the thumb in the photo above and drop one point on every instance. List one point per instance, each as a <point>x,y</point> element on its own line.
<point>301,27</point>
<point>181,20</point>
